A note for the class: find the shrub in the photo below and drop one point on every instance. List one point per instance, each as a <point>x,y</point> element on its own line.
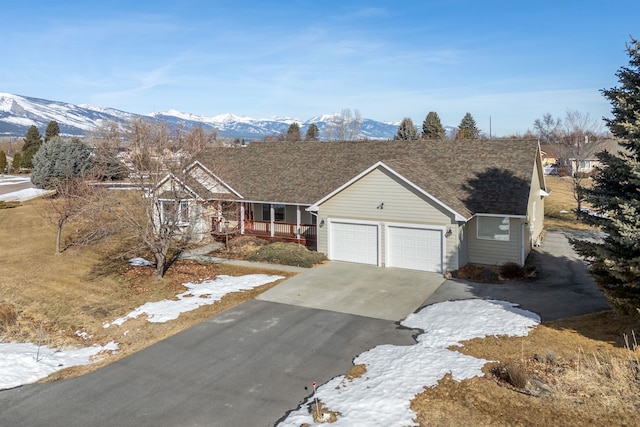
<point>287,254</point>
<point>469,272</point>
<point>512,271</point>
<point>7,315</point>
<point>513,373</point>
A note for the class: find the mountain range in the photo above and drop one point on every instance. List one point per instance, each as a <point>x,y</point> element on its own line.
<point>18,113</point>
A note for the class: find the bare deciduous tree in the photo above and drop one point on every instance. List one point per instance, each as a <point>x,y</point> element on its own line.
<point>577,132</point>
<point>547,129</point>
<point>159,217</point>
<point>345,126</point>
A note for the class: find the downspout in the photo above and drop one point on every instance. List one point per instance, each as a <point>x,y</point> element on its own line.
<point>524,225</point>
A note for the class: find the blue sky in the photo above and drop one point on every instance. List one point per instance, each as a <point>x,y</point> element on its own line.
<point>511,61</point>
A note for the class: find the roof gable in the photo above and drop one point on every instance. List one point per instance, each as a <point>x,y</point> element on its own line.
<point>314,207</point>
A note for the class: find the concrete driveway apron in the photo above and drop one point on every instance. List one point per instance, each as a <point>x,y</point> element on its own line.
<point>363,290</point>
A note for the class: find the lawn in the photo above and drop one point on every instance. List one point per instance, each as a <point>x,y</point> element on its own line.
<point>56,297</point>
<point>577,371</point>
<point>560,205</point>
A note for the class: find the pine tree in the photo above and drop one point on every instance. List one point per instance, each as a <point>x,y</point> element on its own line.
<point>59,160</point>
<point>15,164</point>
<point>293,133</point>
<point>3,162</point>
<point>432,127</point>
<point>32,143</point>
<point>407,131</point>
<point>468,128</point>
<point>615,194</point>
<point>53,130</point>
<point>313,133</point>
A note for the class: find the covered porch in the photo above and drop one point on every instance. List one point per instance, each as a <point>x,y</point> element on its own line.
<point>271,221</point>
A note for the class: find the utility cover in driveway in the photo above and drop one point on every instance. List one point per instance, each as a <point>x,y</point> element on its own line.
<point>415,248</point>
<point>354,242</point>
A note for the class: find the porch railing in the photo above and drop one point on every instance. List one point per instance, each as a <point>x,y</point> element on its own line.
<point>281,229</point>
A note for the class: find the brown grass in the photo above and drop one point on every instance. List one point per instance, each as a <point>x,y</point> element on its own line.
<point>577,372</point>
<point>560,205</point>
<point>54,296</point>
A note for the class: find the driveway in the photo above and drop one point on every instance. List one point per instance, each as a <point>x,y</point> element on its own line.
<point>248,366</point>
<point>562,288</point>
<point>363,290</point>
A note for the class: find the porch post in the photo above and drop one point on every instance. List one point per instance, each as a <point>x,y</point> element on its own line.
<point>298,222</point>
<point>219,215</point>
<point>272,214</point>
<point>241,218</point>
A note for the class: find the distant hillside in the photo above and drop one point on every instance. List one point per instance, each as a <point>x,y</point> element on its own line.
<point>18,113</point>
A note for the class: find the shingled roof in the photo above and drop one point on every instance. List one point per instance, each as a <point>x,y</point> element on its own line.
<point>469,176</point>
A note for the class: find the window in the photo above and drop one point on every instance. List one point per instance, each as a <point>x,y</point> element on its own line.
<point>493,228</point>
<point>278,212</point>
<point>175,212</point>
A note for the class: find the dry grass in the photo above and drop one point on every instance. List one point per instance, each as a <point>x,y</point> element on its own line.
<point>577,372</point>
<point>559,207</point>
<point>47,298</point>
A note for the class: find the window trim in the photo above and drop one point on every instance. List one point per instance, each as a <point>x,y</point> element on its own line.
<point>183,211</point>
<point>501,218</point>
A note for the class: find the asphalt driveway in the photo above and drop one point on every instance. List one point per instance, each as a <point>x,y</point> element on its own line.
<point>562,288</point>
<point>248,366</point>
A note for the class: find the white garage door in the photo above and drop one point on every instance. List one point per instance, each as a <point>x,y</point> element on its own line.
<point>415,248</point>
<point>354,242</point>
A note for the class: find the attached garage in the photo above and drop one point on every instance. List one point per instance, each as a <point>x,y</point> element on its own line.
<point>354,242</point>
<point>414,248</point>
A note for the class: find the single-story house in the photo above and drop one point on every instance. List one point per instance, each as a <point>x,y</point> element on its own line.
<point>423,205</point>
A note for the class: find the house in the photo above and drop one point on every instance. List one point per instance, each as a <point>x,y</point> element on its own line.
<point>567,160</point>
<point>424,205</point>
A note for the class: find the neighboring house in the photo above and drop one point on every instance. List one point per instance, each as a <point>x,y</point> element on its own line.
<point>432,206</point>
<point>586,160</point>
<point>566,159</point>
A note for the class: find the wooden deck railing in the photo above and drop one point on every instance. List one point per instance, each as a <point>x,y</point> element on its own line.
<point>281,231</point>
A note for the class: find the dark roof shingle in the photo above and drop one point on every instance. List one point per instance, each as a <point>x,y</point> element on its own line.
<point>469,176</point>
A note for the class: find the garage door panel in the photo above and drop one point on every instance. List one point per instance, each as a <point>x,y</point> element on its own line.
<point>354,242</point>
<point>415,248</point>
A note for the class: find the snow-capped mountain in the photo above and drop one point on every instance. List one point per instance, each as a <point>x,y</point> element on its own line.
<point>18,113</point>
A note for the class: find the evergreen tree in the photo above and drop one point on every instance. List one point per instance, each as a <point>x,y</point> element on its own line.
<point>407,131</point>
<point>53,130</point>
<point>432,127</point>
<point>293,133</point>
<point>615,193</point>
<point>3,162</point>
<point>15,164</point>
<point>59,160</point>
<point>313,133</point>
<point>32,142</point>
<point>468,128</point>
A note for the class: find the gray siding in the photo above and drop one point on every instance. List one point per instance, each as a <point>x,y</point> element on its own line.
<point>495,252</point>
<point>402,204</point>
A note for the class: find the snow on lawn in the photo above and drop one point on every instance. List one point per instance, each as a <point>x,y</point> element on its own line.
<point>198,294</point>
<point>395,374</point>
<point>25,363</point>
<point>22,195</point>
